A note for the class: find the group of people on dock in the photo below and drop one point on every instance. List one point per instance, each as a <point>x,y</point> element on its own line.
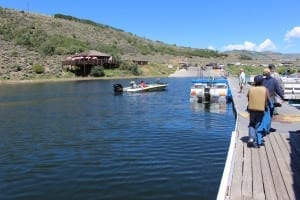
<point>262,100</point>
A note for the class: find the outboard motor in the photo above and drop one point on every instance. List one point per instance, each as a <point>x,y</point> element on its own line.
<point>118,88</point>
<point>207,94</point>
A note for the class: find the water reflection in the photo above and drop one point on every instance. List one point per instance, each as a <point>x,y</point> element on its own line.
<point>209,107</point>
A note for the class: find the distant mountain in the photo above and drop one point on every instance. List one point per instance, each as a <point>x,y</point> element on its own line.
<point>265,56</point>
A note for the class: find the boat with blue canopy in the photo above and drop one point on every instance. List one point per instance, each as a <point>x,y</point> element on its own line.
<point>210,90</point>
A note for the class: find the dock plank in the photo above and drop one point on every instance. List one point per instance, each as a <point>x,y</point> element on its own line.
<point>268,183</point>
<point>247,174</point>
<point>283,164</point>
<point>236,190</point>
<point>258,188</point>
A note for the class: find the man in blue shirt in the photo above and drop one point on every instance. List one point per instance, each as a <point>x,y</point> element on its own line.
<point>275,75</point>
<point>274,89</point>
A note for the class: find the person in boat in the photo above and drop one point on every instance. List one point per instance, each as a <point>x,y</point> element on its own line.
<point>258,108</point>
<point>133,84</point>
<point>142,84</point>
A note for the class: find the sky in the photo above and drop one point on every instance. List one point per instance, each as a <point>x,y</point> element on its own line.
<point>221,25</point>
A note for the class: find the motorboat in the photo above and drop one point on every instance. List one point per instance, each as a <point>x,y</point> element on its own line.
<point>148,88</point>
<point>210,90</point>
<point>134,88</point>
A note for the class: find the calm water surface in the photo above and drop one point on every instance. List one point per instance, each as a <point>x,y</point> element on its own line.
<point>76,140</point>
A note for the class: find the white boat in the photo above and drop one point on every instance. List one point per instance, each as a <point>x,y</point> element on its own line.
<point>208,90</point>
<point>291,87</point>
<point>134,88</point>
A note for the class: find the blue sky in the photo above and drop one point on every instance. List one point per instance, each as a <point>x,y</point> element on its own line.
<point>258,25</point>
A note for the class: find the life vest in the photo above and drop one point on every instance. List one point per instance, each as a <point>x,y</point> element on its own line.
<point>257,98</point>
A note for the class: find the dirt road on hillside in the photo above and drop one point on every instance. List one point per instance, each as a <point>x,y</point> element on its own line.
<point>197,72</point>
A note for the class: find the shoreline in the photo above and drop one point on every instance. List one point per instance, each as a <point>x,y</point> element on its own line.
<point>3,82</point>
<point>177,73</point>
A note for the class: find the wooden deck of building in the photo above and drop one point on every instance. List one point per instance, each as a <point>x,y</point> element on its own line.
<point>270,172</point>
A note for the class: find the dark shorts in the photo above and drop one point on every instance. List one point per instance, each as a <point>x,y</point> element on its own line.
<point>256,118</point>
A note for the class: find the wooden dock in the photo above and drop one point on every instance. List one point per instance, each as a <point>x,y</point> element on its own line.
<point>270,172</point>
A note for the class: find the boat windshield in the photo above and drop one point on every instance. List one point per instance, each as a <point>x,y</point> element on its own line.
<point>199,85</point>
<point>221,86</point>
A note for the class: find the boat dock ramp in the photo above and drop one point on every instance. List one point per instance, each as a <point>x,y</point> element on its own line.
<point>271,172</point>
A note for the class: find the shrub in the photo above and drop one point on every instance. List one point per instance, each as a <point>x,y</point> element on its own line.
<point>14,53</point>
<point>286,70</point>
<point>58,44</point>
<point>39,69</point>
<point>16,67</point>
<point>245,57</point>
<point>47,48</point>
<point>134,70</point>
<point>97,71</point>
<point>130,66</point>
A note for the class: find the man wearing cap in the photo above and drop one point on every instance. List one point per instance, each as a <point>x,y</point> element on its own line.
<point>273,87</point>
<point>275,75</point>
<point>258,98</point>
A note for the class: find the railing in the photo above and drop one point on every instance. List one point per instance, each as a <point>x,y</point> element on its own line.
<point>93,62</point>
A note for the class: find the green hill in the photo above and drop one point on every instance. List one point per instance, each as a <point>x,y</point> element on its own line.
<point>29,39</point>
<point>34,46</point>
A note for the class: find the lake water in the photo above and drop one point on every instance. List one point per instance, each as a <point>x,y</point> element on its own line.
<point>77,140</point>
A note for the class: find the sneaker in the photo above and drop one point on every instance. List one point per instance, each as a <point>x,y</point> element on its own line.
<point>255,145</point>
<point>277,104</point>
<point>272,129</point>
<point>250,142</point>
<point>262,144</point>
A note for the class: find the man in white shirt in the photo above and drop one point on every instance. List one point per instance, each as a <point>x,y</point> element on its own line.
<point>242,80</point>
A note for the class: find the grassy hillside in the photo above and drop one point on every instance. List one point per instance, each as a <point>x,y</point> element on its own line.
<point>31,39</point>
<point>33,46</point>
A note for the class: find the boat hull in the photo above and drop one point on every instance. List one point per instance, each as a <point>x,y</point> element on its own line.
<point>148,88</point>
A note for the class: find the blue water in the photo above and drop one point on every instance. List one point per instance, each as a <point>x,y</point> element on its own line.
<point>77,140</point>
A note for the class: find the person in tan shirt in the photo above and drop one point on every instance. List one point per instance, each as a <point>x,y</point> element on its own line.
<point>258,98</point>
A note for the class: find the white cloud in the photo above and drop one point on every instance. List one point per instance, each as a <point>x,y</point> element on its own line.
<point>266,45</point>
<point>246,46</point>
<point>294,33</point>
<point>211,48</point>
